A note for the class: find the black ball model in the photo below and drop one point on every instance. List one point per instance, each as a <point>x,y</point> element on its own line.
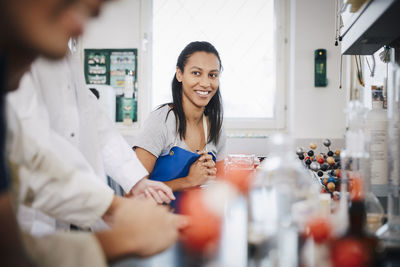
<point>324,167</point>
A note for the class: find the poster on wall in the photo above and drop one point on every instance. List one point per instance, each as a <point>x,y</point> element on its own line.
<point>96,66</point>
<point>120,62</point>
<point>110,67</point>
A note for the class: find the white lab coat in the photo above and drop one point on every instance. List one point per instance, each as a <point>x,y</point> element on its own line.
<point>58,110</point>
<point>53,176</point>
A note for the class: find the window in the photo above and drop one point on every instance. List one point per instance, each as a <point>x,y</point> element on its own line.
<point>249,36</point>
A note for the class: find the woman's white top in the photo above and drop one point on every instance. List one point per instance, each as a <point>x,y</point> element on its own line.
<point>158,135</point>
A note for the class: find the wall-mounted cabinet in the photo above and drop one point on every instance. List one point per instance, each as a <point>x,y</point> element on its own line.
<point>374,25</point>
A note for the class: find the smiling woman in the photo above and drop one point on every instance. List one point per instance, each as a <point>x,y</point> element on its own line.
<point>181,138</point>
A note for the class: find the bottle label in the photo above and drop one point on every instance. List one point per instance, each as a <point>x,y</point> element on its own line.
<point>378,152</point>
<point>394,151</point>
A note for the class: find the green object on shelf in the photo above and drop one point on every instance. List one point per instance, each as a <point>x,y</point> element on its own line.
<point>126,109</point>
<point>320,79</point>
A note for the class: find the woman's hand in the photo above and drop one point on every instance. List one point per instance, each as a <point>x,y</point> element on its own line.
<point>202,170</point>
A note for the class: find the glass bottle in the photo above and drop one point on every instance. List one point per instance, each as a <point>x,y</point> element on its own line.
<point>282,197</point>
<point>356,247</point>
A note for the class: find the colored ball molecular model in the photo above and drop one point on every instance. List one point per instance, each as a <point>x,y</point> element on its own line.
<point>325,166</point>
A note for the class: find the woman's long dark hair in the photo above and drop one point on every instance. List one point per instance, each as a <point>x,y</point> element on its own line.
<point>213,110</point>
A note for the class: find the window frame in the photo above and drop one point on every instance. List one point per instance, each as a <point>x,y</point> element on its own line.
<point>233,126</point>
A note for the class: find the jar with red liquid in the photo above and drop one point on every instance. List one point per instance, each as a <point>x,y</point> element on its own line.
<point>239,171</point>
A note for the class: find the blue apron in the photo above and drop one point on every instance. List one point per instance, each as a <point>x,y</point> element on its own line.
<point>176,164</point>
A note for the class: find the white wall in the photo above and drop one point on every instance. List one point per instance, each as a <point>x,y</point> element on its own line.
<point>315,112</point>
<point>118,26</point>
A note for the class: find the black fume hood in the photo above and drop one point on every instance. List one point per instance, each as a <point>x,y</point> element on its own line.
<point>376,24</point>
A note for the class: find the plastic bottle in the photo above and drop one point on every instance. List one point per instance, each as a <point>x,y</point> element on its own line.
<point>377,129</point>
<point>390,232</point>
<point>128,89</point>
<point>128,102</point>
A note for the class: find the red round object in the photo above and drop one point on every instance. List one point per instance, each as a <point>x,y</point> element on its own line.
<point>319,229</point>
<point>321,160</point>
<point>348,252</point>
<point>203,230</point>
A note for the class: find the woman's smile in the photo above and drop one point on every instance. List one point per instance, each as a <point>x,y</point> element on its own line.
<point>202,93</point>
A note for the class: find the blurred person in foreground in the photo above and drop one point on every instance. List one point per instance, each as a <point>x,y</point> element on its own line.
<point>30,28</point>
<point>66,122</point>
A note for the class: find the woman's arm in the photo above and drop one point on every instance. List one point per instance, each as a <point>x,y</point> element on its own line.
<point>146,158</point>
<point>201,170</point>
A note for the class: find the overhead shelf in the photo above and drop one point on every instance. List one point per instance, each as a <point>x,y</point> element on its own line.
<point>376,24</point>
